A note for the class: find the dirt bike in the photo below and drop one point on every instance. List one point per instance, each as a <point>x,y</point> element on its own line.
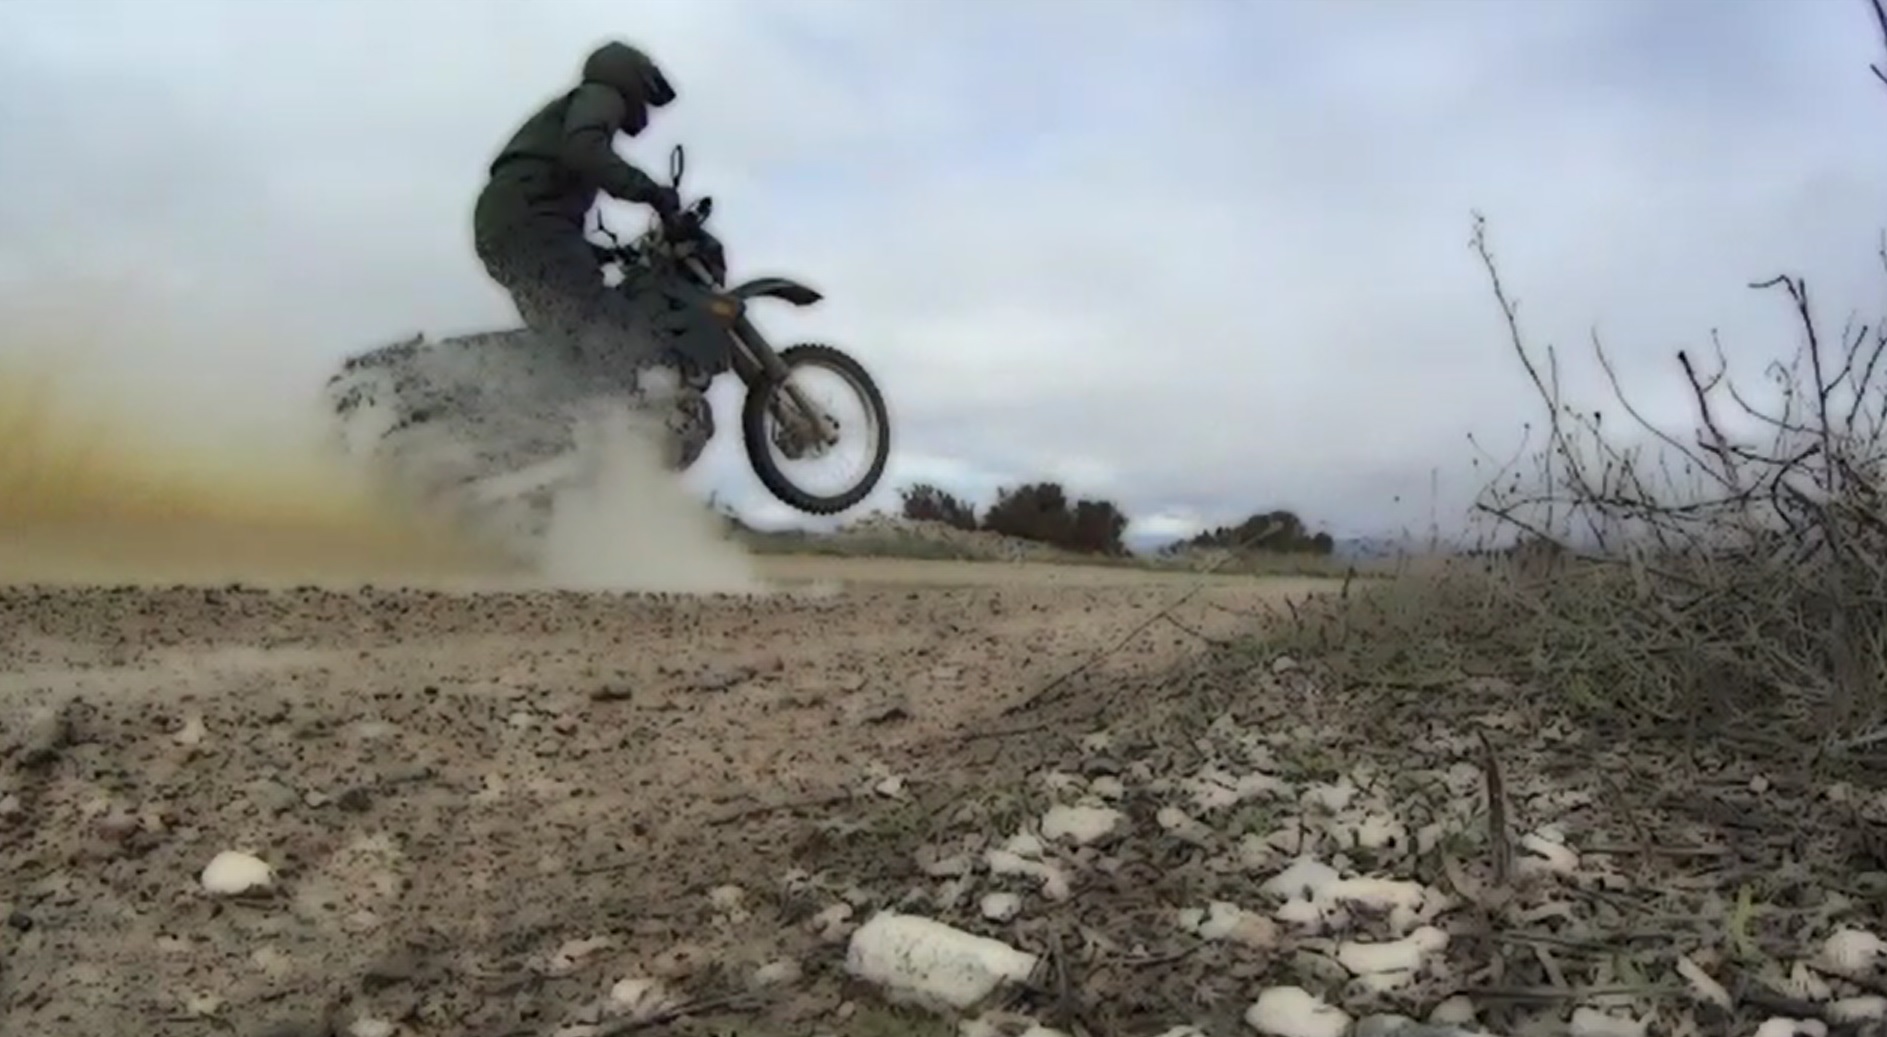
<point>490,414</point>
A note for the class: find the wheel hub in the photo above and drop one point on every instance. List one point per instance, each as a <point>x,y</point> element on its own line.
<point>797,435</point>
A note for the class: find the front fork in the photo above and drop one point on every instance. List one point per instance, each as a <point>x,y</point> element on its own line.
<point>811,427</point>
<point>760,367</point>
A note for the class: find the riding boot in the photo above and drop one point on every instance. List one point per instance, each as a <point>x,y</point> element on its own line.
<point>676,391</point>
<point>691,425</point>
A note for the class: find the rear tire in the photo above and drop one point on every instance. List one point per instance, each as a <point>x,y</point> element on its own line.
<point>753,427</point>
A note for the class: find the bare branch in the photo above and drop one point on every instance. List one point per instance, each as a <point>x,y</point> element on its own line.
<point>1880,20</point>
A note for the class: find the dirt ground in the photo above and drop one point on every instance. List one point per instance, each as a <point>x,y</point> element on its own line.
<point>453,789</point>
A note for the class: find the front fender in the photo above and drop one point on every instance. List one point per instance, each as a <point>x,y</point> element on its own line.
<point>784,288</point>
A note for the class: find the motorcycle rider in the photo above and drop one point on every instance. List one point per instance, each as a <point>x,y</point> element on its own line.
<point>527,229</point>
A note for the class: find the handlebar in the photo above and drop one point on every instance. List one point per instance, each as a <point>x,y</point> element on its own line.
<point>688,221</point>
<point>680,229</point>
<point>683,236</point>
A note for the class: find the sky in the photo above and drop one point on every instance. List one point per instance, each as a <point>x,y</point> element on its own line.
<point>1200,257</point>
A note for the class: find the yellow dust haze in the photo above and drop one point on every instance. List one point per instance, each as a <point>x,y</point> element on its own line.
<point>101,484</point>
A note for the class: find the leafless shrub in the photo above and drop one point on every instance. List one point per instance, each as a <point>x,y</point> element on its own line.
<point>1727,580</point>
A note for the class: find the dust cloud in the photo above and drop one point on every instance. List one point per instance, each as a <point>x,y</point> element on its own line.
<point>92,491</point>
<point>103,481</point>
<point>632,524</point>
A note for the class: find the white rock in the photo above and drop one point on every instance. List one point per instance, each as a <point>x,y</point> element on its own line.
<point>1307,877</point>
<point>727,899</point>
<point>921,961</point>
<point>1405,955</point>
<point>1108,787</point>
<point>1182,825</point>
<point>1377,984</point>
<point>1543,856</point>
<point>890,788</point>
<point>830,923</point>
<point>1780,1026</point>
<point>1288,840</point>
<point>776,973</point>
<point>1001,907</point>
<point>1591,1022</point>
<point>1376,831</point>
<point>1024,844</point>
<point>1081,824</point>
<point>1295,1012</point>
<point>1851,951</point>
<point>639,997</point>
<point>1454,1011</point>
<point>951,892</point>
<point>192,732</point>
<point>366,1027</point>
<point>1228,921</point>
<point>374,730</point>
<point>1299,911</point>
<point>1218,920</point>
<point>230,874</point>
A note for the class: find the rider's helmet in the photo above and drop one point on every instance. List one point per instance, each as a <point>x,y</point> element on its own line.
<point>634,75</point>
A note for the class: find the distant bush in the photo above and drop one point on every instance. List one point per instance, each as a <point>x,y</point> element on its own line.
<point>927,503</point>
<point>1280,532</point>
<point>1042,512</point>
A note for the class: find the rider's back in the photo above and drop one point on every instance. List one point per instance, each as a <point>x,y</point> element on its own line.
<point>531,166</point>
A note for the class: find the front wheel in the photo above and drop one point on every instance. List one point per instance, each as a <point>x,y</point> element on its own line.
<point>777,432</point>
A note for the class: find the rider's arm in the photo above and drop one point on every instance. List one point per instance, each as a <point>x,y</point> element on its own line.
<point>590,125</point>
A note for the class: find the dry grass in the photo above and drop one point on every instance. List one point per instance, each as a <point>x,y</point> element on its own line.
<point>1705,586</point>
<point>1723,584</point>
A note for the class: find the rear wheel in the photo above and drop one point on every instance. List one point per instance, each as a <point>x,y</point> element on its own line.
<point>779,436</point>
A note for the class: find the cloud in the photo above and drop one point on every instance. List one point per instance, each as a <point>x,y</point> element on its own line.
<point>1202,257</point>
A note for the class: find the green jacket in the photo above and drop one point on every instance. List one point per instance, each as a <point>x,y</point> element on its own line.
<point>563,155</point>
